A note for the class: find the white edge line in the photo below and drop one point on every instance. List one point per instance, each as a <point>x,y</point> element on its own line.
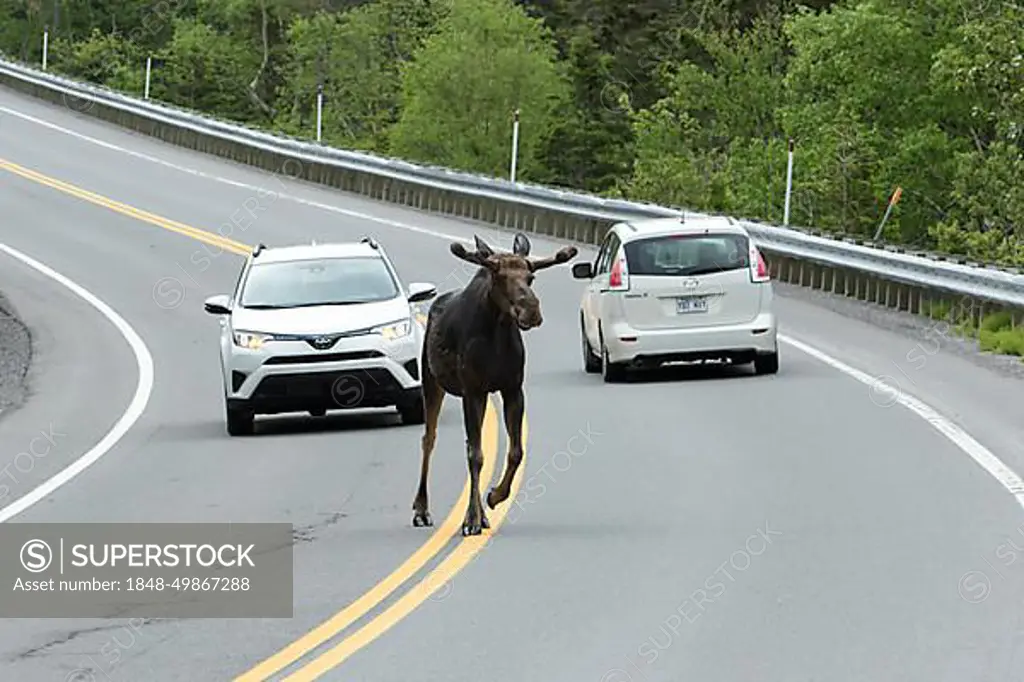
<point>963,440</point>
<point>975,450</point>
<point>134,410</point>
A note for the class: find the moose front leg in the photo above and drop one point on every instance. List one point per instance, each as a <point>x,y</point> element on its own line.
<point>514,403</point>
<point>473,409</point>
<point>433,397</point>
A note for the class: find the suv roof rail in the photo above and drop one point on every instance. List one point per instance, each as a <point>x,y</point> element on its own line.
<point>259,249</point>
<point>369,240</point>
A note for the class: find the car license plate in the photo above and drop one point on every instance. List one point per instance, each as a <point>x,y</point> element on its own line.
<point>692,304</point>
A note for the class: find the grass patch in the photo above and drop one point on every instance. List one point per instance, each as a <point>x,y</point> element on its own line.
<point>997,335</point>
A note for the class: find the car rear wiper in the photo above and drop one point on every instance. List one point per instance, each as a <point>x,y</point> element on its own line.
<point>708,270</point>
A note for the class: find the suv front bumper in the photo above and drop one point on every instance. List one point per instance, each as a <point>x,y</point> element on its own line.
<point>357,372</point>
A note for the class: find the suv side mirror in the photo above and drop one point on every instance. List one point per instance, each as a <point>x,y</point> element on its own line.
<point>217,305</point>
<point>421,291</point>
<point>582,271</point>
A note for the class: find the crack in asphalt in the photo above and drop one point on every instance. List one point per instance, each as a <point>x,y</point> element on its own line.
<point>70,636</point>
<point>307,533</point>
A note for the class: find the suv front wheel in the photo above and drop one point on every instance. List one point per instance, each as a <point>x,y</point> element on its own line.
<point>767,363</point>
<point>412,412</point>
<point>239,419</point>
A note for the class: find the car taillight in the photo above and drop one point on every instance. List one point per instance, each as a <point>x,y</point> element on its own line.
<point>618,279</point>
<point>758,267</point>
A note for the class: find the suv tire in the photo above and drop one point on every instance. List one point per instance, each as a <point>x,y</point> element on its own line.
<point>766,363</point>
<point>239,420</point>
<point>412,412</point>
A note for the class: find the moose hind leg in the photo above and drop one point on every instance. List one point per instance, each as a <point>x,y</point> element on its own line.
<point>433,397</point>
<point>473,409</point>
<point>514,404</point>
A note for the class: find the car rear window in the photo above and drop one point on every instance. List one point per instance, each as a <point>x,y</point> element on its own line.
<point>329,281</point>
<point>675,255</point>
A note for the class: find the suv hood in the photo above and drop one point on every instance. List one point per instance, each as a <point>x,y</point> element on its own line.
<point>325,319</point>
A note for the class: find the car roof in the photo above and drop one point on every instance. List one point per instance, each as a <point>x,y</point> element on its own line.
<point>689,224</point>
<point>301,252</point>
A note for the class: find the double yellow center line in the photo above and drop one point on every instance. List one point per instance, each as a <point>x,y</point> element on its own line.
<point>419,591</point>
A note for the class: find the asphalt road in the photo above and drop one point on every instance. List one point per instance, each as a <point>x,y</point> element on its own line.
<point>828,530</point>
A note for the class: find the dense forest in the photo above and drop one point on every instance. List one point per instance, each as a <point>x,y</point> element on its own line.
<point>680,102</point>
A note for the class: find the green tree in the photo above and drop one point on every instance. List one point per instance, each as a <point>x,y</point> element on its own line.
<point>487,59</point>
<point>207,71</point>
<point>713,143</point>
<point>102,58</point>
<point>358,56</point>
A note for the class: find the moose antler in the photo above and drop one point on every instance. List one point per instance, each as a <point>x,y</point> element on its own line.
<point>563,256</point>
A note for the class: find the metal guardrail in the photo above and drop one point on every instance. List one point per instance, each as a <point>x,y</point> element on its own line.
<point>881,275</point>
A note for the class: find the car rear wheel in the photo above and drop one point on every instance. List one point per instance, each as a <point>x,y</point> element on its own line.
<point>767,363</point>
<point>611,372</point>
<point>591,360</point>
<point>240,420</point>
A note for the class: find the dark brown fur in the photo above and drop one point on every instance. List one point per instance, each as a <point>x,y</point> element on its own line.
<point>474,347</point>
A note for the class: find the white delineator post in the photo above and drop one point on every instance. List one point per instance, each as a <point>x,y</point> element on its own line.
<point>319,112</point>
<point>46,44</point>
<point>515,146</point>
<point>789,185</point>
<point>149,70</point>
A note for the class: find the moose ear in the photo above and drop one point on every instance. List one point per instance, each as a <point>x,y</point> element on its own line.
<point>521,245</point>
<point>482,248</point>
<point>459,251</point>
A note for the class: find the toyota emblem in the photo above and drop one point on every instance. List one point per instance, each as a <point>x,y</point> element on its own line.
<point>322,341</point>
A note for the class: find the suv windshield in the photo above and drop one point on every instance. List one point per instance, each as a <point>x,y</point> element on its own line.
<point>675,255</point>
<point>328,281</point>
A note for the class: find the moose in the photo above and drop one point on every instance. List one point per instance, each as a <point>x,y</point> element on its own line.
<point>473,347</point>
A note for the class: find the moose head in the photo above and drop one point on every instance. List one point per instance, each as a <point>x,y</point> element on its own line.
<point>512,276</point>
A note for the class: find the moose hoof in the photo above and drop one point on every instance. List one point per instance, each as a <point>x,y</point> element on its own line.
<point>421,519</point>
<point>470,528</point>
<point>492,498</point>
<point>484,522</point>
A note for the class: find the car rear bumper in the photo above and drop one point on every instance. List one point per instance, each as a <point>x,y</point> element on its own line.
<point>653,346</point>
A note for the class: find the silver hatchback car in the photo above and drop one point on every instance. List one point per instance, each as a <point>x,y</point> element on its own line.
<point>676,290</point>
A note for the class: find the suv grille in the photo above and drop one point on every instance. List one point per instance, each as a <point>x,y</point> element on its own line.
<point>323,357</point>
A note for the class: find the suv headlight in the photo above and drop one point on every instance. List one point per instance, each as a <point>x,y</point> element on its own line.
<point>394,330</point>
<point>419,314</point>
<point>251,340</point>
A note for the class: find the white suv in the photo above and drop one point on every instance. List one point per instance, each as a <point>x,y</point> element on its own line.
<point>320,327</point>
<point>676,289</point>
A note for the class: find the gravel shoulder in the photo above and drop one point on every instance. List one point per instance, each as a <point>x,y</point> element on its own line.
<point>15,357</point>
